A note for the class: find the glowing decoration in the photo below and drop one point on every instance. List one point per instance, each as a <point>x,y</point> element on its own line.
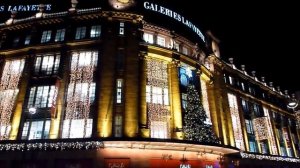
<point>8,92</point>
<point>271,133</point>
<point>80,94</point>
<point>52,146</point>
<point>297,116</point>
<point>121,4</point>
<point>260,128</point>
<point>205,101</point>
<point>268,157</point>
<point>236,124</point>
<point>195,128</point>
<point>158,99</point>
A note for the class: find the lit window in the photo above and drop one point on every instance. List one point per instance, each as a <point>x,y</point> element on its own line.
<point>184,100</point>
<point>27,40</point>
<point>176,46</point>
<point>122,28</point>
<point>78,128</point>
<point>148,38</point>
<point>80,33</point>
<point>205,102</point>
<point>249,126</point>
<point>41,96</point>
<point>231,80</point>
<point>161,41</point>
<point>256,110</point>
<point>95,31</point>
<point>157,95</point>
<point>16,42</point>
<point>185,51</point>
<point>252,146</point>
<point>82,91</point>
<point>119,90</point>
<point>47,64</point>
<point>159,129</point>
<point>84,59</point>
<point>36,130</point>
<point>46,36</point>
<point>60,35</point>
<point>243,86</point>
<point>118,126</point>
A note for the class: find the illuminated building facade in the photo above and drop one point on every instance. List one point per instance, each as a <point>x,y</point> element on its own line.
<point>107,88</point>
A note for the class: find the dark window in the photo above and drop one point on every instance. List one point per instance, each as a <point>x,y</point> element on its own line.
<point>80,33</point>
<point>16,42</point>
<point>27,40</point>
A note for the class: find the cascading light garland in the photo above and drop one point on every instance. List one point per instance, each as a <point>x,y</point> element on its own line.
<point>52,146</point>
<point>261,128</point>
<point>157,101</point>
<point>8,92</point>
<point>266,157</point>
<point>236,122</point>
<point>83,65</point>
<point>271,134</point>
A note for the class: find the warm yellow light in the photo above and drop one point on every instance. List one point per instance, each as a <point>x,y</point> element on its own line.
<point>123,1</point>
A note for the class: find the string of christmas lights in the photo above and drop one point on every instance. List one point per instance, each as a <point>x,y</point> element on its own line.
<point>266,157</point>
<point>8,92</point>
<point>236,124</point>
<point>271,134</point>
<point>157,106</point>
<point>52,146</point>
<point>83,65</point>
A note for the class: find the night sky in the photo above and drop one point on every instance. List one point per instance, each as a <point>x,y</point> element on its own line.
<point>263,36</point>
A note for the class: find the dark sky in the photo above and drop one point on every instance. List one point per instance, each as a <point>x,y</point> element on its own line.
<point>263,36</point>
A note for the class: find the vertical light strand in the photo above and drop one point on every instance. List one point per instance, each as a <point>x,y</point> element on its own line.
<point>158,99</point>
<point>8,92</point>
<point>271,133</point>
<point>79,89</point>
<point>205,101</point>
<point>236,122</point>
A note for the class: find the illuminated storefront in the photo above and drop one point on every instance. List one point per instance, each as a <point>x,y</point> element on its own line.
<point>103,86</point>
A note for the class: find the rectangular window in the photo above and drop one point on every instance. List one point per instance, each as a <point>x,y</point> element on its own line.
<point>264,147</point>
<point>46,36</point>
<point>161,41</point>
<point>159,129</point>
<point>157,95</point>
<point>95,31</point>
<point>118,126</point>
<point>81,91</point>
<point>184,100</point>
<point>16,42</point>
<point>41,96</point>
<point>80,33</point>
<point>245,106</point>
<point>249,126</point>
<point>252,146</point>
<point>122,28</point>
<point>79,128</point>
<point>27,40</point>
<point>231,80</point>
<point>119,90</point>
<point>256,110</point>
<point>60,35</point>
<point>47,64</point>
<point>176,46</point>
<point>148,38</point>
<point>36,130</point>
<point>185,51</point>
<point>243,86</point>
